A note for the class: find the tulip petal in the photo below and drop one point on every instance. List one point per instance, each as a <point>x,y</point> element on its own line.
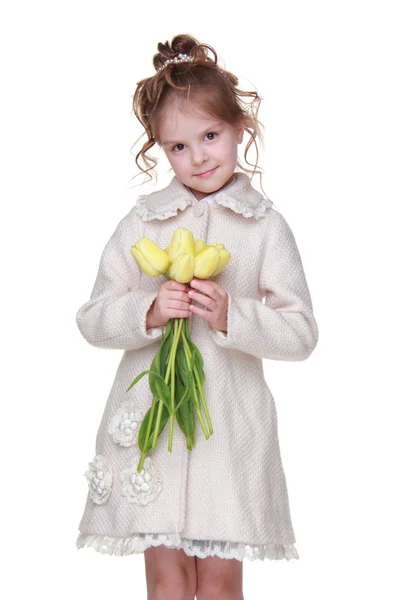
<point>182,243</point>
<point>154,255</point>
<point>182,268</point>
<point>143,264</point>
<point>224,258</point>
<point>206,261</point>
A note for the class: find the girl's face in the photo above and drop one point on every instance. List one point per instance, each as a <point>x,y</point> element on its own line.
<point>202,151</point>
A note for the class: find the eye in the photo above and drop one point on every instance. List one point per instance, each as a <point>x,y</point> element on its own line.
<point>176,146</point>
<point>213,133</point>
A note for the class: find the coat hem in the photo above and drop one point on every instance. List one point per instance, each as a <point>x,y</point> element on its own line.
<point>137,544</point>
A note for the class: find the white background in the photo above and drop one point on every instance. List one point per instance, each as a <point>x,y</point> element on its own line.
<point>328,73</point>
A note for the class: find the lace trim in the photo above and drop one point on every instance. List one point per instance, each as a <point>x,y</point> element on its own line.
<point>146,214</point>
<point>201,548</point>
<point>256,212</point>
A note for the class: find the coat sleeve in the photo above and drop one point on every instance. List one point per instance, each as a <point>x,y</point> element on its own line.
<point>284,327</point>
<point>115,315</point>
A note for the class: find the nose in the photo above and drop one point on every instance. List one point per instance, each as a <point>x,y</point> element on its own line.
<point>199,156</point>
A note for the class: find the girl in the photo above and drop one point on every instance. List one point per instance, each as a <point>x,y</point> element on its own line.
<point>227,498</point>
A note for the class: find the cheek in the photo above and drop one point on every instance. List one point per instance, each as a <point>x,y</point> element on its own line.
<point>181,162</point>
<point>230,149</point>
<point>231,152</point>
<point>175,161</point>
<point>179,165</point>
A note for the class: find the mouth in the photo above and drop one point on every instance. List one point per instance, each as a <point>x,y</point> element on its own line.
<point>206,173</point>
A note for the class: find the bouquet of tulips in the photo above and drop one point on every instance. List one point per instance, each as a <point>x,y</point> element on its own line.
<point>176,375</point>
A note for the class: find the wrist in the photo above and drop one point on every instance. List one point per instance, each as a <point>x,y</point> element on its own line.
<point>151,320</point>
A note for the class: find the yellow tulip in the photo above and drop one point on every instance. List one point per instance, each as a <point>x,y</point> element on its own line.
<point>182,268</point>
<point>206,261</point>
<point>168,271</point>
<point>224,258</point>
<point>151,259</point>
<point>211,260</point>
<point>198,245</point>
<point>182,243</point>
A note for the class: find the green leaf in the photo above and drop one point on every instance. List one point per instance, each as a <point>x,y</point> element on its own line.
<point>201,375</point>
<point>162,390</point>
<point>163,421</point>
<point>183,418</point>
<point>154,369</point>
<point>134,382</point>
<point>164,350</point>
<point>143,430</point>
<point>198,355</point>
<point>157,361</point>
<point>187,332</point>
<point>182,394</point>
<point>192,359</point>
<point>191,419</point>
<point>199,365</point>
<point>168,328</point>
<point>181,358</point>
<point>152,382</point>
<point>144,424</point>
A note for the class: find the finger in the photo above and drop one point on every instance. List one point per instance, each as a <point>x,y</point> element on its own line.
<point>178,304</point>
<point>202,298</point>
<point>177,286</point>
<point>196,310</point>
<point>206,286</point>
<point>181,296</point>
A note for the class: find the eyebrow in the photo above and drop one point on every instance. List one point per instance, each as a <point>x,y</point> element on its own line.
<point>215,123</point>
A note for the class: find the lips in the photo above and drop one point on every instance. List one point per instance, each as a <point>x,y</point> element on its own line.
<point>205,172</point>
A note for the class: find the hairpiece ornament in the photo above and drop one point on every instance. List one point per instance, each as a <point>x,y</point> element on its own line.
<point>181,58</point>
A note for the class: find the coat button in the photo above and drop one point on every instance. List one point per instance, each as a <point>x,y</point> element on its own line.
<point>198,208</point>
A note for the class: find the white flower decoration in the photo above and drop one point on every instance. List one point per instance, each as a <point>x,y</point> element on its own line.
<point>99,477</point>
<point>140,488</point>
<point>124,425</point>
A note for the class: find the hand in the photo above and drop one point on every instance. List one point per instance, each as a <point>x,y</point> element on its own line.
<point>214,298</point>
<point>172,301</point>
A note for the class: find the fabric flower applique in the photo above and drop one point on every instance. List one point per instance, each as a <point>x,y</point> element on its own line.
<point>99,477</point>
<point>143,487</point>
<point>125,423</point>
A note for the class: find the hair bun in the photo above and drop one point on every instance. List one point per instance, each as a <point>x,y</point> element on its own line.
<point>182,44</point>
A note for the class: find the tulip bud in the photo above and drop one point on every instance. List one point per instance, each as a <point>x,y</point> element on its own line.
<point>224,258</point>
<point>211,260</point>
<point>182,268</point>
<point>198,245</point>
<point>182,243</point>
<point>206,261</point>
<point>151,259</point>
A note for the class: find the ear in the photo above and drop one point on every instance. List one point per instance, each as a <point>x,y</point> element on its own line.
<point>240,131</point>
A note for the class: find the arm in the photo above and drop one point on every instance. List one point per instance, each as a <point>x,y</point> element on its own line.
<point>284,328</point>
<point>116,313</point>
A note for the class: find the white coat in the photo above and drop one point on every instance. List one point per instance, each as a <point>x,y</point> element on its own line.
<point>228,496</point>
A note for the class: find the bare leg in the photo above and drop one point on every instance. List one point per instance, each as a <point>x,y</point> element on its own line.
<point>219,578</point>
<point>170,574</point>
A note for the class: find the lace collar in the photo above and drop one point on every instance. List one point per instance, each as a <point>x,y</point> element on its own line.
<point>239,196</point>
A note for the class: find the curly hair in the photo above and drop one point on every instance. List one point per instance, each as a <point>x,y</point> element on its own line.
<point>209,88</point>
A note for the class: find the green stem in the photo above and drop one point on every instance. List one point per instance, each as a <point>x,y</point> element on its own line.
<point>178,326</point>
<point>150,421</point>
<point>170,372</point>
<point>144,452</point>
<point>188,357</point>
